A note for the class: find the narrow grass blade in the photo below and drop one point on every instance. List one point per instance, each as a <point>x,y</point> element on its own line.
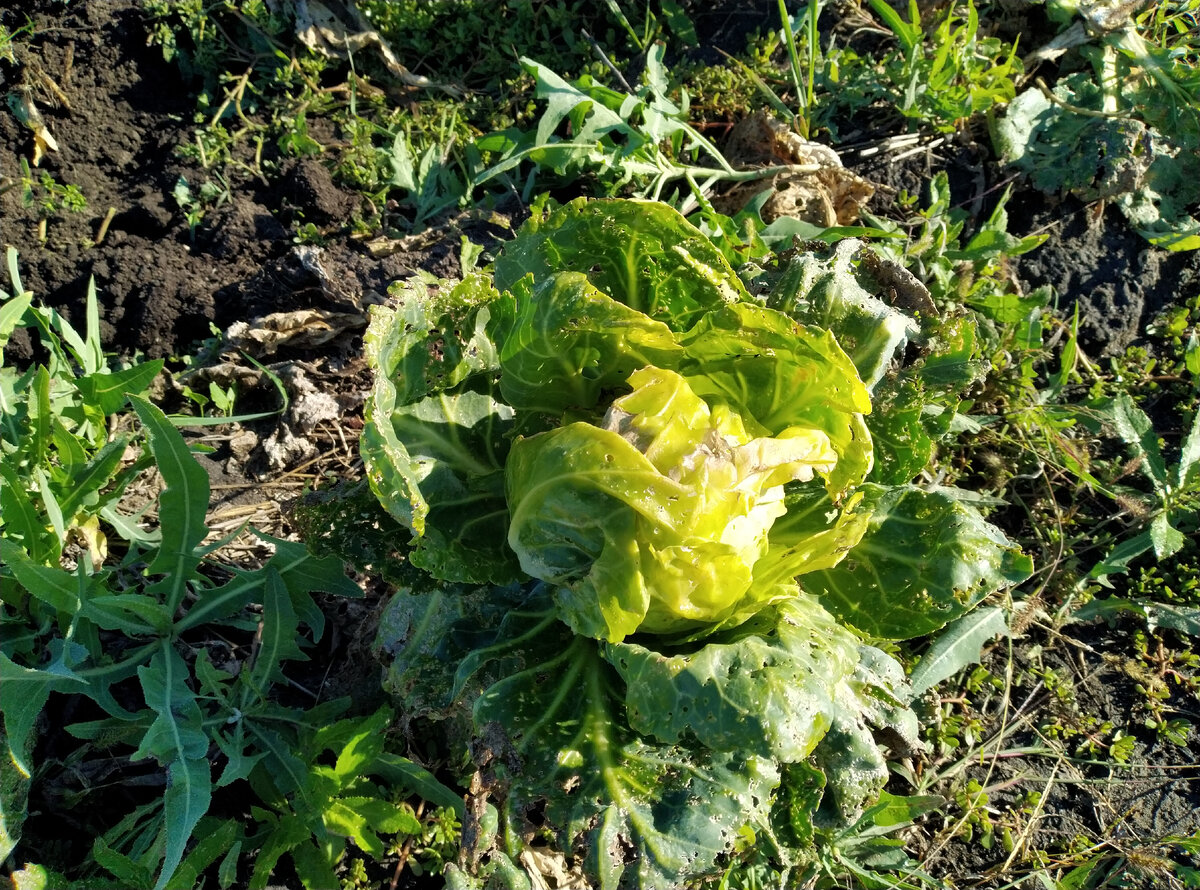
<point>93,351</point>
<point>794,64</point>
<point>181,420</point>
<point>14,273</point>
<point>619,15</point>
<point>41,420</point>
<point>908,34</point>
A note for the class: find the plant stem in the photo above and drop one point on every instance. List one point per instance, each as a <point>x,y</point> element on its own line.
<point>794,60</point>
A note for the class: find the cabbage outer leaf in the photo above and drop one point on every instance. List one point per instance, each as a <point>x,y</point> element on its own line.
<point>826,291</point>
<point>547,716</point>
<point>872,699</point>
<point>925,559</point>
<point>651,761</point>
<point>768,687</point>
<point>640,253</point>
<point>434,440</point>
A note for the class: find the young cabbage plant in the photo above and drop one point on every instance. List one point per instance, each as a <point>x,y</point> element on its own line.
<point>660,521</point>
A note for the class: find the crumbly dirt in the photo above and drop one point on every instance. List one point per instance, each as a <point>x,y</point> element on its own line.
<point>124,112</point>
<point>1092,257</point>
<point>118,112</point>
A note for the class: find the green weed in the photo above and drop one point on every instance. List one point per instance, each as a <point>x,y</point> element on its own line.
<point>949,75</point>
<point>10,39</point>
<point>50,197</point>
<point>313,808</point>
<point>939,75</point>
<point>471,42</point>
<point>97,607</point>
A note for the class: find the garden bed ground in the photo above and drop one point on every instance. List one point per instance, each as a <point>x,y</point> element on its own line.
<point>118,111</point>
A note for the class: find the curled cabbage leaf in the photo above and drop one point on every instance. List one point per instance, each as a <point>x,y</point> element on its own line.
<point>654,519</point>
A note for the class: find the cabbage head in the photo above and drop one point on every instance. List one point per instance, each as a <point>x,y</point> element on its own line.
<point>653,519</point>
<point>657,522</point>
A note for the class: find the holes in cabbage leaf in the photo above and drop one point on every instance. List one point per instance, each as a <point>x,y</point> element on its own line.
<point>535,813</point>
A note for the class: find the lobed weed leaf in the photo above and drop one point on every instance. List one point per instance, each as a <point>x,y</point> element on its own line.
<point>12,311</point>
<point>280,632</point>
<point>26,691</point>
<point>176,739</point>
<point>215,838</point>
<point>1136,431</point>
<point>183,506</point>
<point>1187,472</point>
<point>400,772</point>
<point>22,521</point>
<point>326,806</point>
<point>108,390</point>
<point>85,483</point>
<point>125,869</point>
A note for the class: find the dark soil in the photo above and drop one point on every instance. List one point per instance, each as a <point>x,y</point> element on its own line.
<point>160,283</point>
<point>1092,257</point>
<point>127,111</point>
<point>118,112</point>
